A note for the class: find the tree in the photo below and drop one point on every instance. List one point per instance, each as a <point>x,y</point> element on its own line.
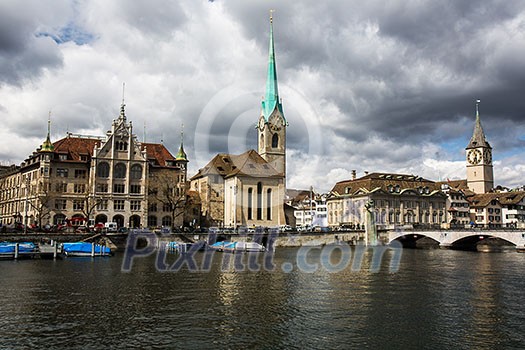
<point>169,193</point>
<point>40,199</point>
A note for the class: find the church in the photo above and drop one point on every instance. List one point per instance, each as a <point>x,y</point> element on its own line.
<point>249,189</point>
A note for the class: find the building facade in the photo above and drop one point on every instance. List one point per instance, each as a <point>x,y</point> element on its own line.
<point>397,199</point>
<point>80,181</point>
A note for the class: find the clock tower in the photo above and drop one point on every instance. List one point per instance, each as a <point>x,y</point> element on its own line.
<point>480,175</point>
<point>271,128</point>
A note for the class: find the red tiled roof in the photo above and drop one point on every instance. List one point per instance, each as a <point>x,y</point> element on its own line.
<point>74,147</point>
<point>157,154</point>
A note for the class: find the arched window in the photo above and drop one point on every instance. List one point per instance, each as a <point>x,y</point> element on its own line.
<point>250,201</point>
<point>275,141</point>
<point>259,201</point>
<point>103,169</point>
<point>269,204</point>
<point>136,172</point>
<point>120,171</point>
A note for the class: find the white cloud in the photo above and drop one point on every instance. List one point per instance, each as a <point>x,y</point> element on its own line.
<point>363,89</point>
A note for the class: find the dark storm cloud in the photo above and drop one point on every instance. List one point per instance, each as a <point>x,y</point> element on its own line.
<point>23,55</point>
<point>415,74</point>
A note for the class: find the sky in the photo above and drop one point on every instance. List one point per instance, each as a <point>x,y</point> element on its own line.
<point>365,85</point>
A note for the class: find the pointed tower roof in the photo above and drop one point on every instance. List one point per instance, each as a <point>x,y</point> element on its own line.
<point>478,137</point>
<point>271,97</point>
<point>181,155</point>
<point>48,146</point>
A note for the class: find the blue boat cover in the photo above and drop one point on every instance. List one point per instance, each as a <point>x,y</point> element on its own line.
<point>83,247</point>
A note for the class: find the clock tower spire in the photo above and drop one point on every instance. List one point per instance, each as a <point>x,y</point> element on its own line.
<point>271,128</point>
<point>480,175</point>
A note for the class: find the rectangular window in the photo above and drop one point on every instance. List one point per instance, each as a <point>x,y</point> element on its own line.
<point>135,205</point>
<point>118,188</point>
<point>78,204</point>
<point>102,188</point>
<point>62,157</point>
<point>118,204</point>
<point>61,172</point>
<point>61,187</point>
<point>153,207</point>
<point>102,205</point>
<point>135,189</point>
<point>166,207</point>
<point>60,204</point>
<point>79,188</point>
<point>80,173</point>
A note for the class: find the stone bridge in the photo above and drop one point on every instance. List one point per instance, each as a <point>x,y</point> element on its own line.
<point>457,238</point>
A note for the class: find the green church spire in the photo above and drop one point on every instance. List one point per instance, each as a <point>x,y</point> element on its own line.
<point>181,155</point>
<point>271,97</point>
<point>48,146</point>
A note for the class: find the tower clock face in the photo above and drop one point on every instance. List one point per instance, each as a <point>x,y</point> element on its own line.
<point>487,157</point>
<point>275,123</point>
<point>474,156</point>
<point>261,124</point>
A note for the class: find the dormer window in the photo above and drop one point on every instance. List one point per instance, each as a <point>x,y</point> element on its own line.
<point>62,157</point>
<point>347,190</point>
<point>398,189</point>
<point>390,188</point>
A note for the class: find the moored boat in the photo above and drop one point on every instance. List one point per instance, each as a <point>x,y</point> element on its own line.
<point>8,250</point>
<point>243,247</point>
<point>85,249</point>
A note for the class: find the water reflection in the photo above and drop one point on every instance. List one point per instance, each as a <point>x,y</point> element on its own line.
<point>437,299</point>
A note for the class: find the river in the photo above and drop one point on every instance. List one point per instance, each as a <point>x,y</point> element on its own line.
<point>437,299</point>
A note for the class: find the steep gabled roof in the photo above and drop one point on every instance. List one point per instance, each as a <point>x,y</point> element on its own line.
<point>249,163</point>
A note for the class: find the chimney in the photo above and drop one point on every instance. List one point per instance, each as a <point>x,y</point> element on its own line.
<point>354,174</point>
<point>366,173</point>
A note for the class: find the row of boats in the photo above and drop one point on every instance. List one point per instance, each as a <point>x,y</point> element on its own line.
<point>16,250</point>
<point>223,246</point>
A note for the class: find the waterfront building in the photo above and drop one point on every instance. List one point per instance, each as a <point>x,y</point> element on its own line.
<point>248,189</point>
<point>81,180</point>
<point>457,204</point>
<point>398,199</point>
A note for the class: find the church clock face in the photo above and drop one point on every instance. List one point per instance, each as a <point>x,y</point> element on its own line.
<point>474,156</point>
<point>261,124</point>
<point>487,156</point>
<point>275,123</point>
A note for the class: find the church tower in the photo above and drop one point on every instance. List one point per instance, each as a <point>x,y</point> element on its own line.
<point>271,128</point>
<point>480,176</point>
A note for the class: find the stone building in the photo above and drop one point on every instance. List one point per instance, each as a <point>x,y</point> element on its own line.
<point>398,200</point>
<point>85,180</point>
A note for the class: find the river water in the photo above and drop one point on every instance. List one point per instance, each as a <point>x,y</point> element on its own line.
<point>437,299</point>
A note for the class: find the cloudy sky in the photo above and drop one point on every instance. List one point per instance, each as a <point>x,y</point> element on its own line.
<point>366,85</point>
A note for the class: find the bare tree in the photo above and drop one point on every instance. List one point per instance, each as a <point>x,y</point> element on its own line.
<point>40,199</point>
<point>169,193</point>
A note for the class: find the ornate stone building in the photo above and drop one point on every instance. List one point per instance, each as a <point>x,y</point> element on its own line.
<point>81,180</point>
